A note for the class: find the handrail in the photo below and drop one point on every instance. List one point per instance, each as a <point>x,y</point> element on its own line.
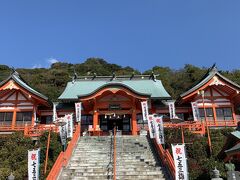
<point>72,144</point>
<point>64,157</point>
<point>166,158</point>
<point>114,154</point>
<point>53,174</point>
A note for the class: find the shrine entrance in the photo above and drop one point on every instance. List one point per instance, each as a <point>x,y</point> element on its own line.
<point>122,123</point>
<point>114,106</point>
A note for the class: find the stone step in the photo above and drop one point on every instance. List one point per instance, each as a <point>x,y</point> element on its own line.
<point>119,168</point>
<point>92,160</point>
<point>107,159</point>
<point>132,164</point>
<point>96,158</point>
<point>123,173</point>
<point>105,177</point>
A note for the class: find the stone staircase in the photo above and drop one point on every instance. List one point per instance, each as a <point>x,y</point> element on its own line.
<point>93,159</point>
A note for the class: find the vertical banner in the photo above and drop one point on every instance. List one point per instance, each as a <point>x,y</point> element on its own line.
<point>69,121</point>
<point>180,162</point>
<point>33,164</point>
<point>195,111</point>
<point>34,116</point>
<point>54,112</point>
<point>151,125</point>
<point>144,110</point>
<point>171,107</point>
<point>158,122</point>
<point>78,108</point>
<point>63,134</point>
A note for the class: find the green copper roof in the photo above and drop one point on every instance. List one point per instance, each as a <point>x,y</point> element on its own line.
<point>144,87</point>
<point>15,76</point>
<point>206,78</point>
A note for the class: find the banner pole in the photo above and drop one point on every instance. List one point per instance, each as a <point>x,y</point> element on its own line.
<point>48,143</point>
<point>182,134</point>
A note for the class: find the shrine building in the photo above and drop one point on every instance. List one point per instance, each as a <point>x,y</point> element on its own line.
<point>20,104</point>
<point>115,100</point>
<point>215,93</point>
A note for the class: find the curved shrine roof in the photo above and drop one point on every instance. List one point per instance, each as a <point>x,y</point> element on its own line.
<point>145,87</point>
<point>16,78</point>
<point>208,76</point>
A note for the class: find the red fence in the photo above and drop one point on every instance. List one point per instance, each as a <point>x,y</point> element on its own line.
<point>7,128</point>
<point>39,130</point>
<point>196,127</point>
<point>64,157</point>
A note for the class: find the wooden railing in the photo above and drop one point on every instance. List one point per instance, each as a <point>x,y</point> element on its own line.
<point>166,158</point>
<point>196,128</point>
<point>4,127</point>
<point>199,127</point>
<point>64,157</point>
<point>222,123</point>
<point>39,129</point>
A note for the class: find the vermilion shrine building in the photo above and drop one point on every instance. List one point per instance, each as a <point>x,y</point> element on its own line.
<point>218,95</point>
<point>18,104</point>
<point>116,100</point>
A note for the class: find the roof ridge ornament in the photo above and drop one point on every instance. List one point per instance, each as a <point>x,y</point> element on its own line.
<point>94,76</point>
<point>214,68</point>
<point>14,72</point>
<point>75,76</point>
<point>153,76</point>
<point>113,76</point>
<point>133,73</point>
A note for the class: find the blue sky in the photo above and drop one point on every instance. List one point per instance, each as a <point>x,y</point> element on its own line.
<point>136,33</point>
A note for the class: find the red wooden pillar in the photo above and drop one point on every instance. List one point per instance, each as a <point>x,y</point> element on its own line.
<point>95,115</point>
<point>214,107</point>
<point>95,119</point>
<point>33,116</point>
<point>214,114</point>
<point>134,122</point>
<point>14,118</point>
<point>234,115</point>
<point>15,112</point>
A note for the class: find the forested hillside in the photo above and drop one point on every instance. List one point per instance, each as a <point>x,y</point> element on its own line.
<point>52,81</point>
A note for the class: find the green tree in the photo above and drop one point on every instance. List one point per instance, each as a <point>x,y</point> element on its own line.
<point>14,152</point>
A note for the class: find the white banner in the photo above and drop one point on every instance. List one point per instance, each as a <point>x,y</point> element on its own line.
<point>63,133</point>
<point>78,108</point>
<point>54,112</point>
<point>195,111</point>
<point>33,164</point>
<point>158,122</point>
<point>69,121</point>
<point>144,110</point>
<point>151,126</point>
<point>180,162</point>
<point>34,116</point>
<point>171,107</point>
